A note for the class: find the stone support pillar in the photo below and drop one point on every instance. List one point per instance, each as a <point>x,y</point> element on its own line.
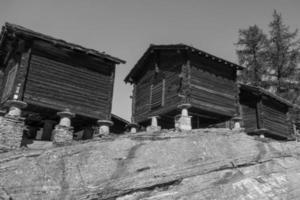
<point>133,127</point>
<point>12,125</point>
<point>236,122</point>
<point>183,121</point>
<point>154,124</point>
<point>104,127</point>
<point>63,132</point>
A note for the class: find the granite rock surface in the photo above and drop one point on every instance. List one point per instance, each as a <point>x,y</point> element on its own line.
<point>195,165</point>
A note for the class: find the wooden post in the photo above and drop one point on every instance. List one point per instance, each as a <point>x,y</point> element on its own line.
<point>133,102</point>
<point>110,93</point>
<point>47,129</point>
<point>163,92</point>
<point>260,114</point>
<point>23,72</point>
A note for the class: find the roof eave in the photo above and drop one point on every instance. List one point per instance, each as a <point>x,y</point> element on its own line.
<point>50,39</point>
<point>178,46</point>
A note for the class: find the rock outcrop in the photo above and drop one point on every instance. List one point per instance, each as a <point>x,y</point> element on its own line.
<point>201,164</point>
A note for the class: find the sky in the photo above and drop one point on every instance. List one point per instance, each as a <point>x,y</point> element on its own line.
<point>126,28</point>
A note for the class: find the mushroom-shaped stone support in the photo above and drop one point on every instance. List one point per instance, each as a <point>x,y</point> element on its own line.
<point>12,125</point>
<point>183,122</point>
<point>15,108</point>
<point>236,122</point>
<point>65,117</point>
<point>154,124</point>
<point>184,108</point>
<point>133,127</point>
<point>104,127</point>
<point>63,132</point>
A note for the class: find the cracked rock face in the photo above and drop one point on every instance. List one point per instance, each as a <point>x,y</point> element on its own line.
<point>201,164</point>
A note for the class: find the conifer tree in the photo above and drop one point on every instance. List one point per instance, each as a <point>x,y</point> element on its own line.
<point>252,46</point>
<point>283,57</point>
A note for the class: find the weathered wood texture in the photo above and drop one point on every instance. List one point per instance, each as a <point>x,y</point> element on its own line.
<point>249,115</point>
<point>212,93</point>
<point>208,85</point>
<point>164,93</point>
<point>202,164</point>
<point>10,78</point>
<point>275,118</point>
<point>260,111</point>
<point>57,85</point>
<point>213,85</point>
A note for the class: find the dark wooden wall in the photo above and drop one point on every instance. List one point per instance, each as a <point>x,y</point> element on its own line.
<point>275,118</point>
<point>213,87</point>
<point>157,92</point>
<point>208,86</point>
<point>260,111</point>
<point>142,97</point>
<point>249,115</point>
<point>60,81</point>
<point>9,81</point>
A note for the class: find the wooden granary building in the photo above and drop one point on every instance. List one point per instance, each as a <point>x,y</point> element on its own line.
<point>169,75</point>
<point>265,113</point>
<point>51,75</point>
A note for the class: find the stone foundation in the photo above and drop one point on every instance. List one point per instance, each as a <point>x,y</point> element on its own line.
<point>62,135</point>
<point>183,123</point>
<point>153,128</point>
<point>133,127</point>
<point>154,125</point>
<point>11,132</point>
<point>103,128</point>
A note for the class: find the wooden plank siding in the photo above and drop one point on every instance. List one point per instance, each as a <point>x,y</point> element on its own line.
<point>249,116</point>
<point>275,118</point>
<point>212,93</point>
<point>10,78</point>
<point>157,92</point>
<point>169,86</point>
<point>57,85</point>
<point>156,97</point>
<point>189,76</point>
<point>262,111</point>
<point>142,98</point>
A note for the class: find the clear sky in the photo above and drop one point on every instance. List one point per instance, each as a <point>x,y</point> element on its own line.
<point>125,28</point>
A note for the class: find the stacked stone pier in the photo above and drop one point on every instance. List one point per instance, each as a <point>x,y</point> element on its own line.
<point>63,132</point>
<point>183,121</point>
<point>104,127</point>
<point>12,125</point>
<point>133,127</point>
<point>154,124</point>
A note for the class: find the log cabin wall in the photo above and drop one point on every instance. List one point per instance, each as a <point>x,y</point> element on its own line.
<point>142,97</point>
<point>156,92</point>
<point>15,68</point>
<point>264,111</point>
<point>9,79</point>
<point>275,118</point>
<point>249,110</point>
<point>185,75</point>
<point>249,116</point>
<point>60,81</point>
<point>213,86</point>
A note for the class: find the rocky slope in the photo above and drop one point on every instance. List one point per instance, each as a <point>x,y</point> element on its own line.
<point>202,164</point>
